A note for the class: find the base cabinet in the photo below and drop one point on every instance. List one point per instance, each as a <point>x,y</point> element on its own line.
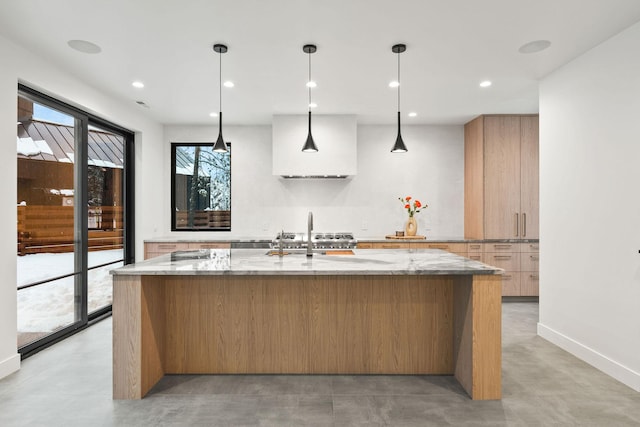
<point>507,257</point>
<point>529,269</point>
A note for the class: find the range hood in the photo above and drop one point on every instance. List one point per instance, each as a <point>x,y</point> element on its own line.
<point>335,136</point>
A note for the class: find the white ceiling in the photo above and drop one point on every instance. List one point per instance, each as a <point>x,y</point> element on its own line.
<point>452,45</point>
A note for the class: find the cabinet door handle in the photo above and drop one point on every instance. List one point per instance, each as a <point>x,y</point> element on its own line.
<point>534,258</point>
<point>502,257</point>
<point>524,225</point>
<point>497,247</point>
<point>534,276</point>
<point>517,225</point>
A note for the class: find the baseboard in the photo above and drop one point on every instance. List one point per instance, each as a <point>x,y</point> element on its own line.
<point>595,359</point>
<point>9,365</point>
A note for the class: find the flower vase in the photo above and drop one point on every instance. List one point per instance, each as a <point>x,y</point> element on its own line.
<point>411,227</point>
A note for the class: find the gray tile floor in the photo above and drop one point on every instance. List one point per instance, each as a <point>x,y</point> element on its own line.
<point>70,385</point>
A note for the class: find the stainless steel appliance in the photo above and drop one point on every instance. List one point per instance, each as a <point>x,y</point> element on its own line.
<point>319,240</point>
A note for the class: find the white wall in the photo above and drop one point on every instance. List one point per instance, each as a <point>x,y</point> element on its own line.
<point>20,65</point>
<point>590,207</point>
<point>367,204</point>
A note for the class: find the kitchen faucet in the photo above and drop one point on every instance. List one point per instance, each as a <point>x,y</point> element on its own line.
<point>309,229</point>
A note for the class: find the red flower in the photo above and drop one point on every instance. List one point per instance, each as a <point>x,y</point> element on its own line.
<point>408,198</point>
<point>417,204</point>
<point>407,206</point>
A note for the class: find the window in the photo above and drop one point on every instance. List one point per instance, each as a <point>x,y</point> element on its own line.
<point>200,188</point>
<point>74,223</point>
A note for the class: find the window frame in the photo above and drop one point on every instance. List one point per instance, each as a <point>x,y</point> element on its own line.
<point>174,146</point>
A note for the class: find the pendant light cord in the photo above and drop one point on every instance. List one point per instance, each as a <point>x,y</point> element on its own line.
<point>309,81</point>
<point>398,81</point>
<point>220,83</point>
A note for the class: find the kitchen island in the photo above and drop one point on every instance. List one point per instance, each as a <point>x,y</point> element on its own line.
<point>241,311</point>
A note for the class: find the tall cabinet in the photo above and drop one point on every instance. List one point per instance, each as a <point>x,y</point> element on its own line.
<point>501,177</point>
<point>501,193</point>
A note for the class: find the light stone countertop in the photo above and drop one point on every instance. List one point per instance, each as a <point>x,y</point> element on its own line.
<point>257,262</point>
<point>361,239</point>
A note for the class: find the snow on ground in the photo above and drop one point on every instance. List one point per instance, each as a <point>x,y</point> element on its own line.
<point>48,307</point>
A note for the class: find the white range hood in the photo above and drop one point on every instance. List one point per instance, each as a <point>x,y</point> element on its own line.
<point>334,135</point>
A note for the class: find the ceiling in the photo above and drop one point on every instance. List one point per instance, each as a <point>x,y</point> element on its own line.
<point>452,46</point>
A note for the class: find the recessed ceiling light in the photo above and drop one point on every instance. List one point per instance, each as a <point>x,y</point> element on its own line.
<point>311,84</point>
<point>485,83</point>
<point>137,84</point>
<point>228,84</point>
<point>534,46</point>
<point>84,46</point>
<point>213,114</point>
<point>394,84</point>
<point>412,114</point>
<point>312,105</point>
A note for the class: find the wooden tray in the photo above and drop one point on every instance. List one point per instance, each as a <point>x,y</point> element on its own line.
<point>394,237</point>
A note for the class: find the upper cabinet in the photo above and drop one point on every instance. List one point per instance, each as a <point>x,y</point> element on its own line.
<point>501,177</point>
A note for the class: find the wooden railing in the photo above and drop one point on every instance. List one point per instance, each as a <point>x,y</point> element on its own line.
<point>204,219</point>
<point>51,228</point>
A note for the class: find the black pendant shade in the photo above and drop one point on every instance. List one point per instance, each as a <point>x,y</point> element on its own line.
<point>220,146</point>
<point>309,145</point>
<point>399,146</point>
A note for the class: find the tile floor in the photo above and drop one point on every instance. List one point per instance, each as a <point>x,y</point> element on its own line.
<point>69,384</point>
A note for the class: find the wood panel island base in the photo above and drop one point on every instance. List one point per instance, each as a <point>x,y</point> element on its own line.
<point>234,311</point>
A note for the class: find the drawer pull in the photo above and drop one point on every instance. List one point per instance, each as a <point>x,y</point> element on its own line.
<point>534,258</point>
<point>536,247</point>
<point>506,277</point>
<point>166,246</point>
<point>534,276</point>
<point>475,257</point>
<point>502,246</point>
<point>502,257</point>
<point>474,246</point>
<point>443,247</point>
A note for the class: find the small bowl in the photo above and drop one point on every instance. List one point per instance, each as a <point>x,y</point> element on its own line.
<point>399,233</point>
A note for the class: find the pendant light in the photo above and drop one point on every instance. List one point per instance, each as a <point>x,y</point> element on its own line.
<point>220,146</point>
<point>399,146</point>
<point>309,145</point>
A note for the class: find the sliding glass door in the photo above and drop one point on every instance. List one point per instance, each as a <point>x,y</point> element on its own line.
<point>74,223</point>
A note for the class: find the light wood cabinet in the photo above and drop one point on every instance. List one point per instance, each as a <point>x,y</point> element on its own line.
<point>529,269</point>
<point>501,177</point>
<point>384,245</point>
<point>520,264</point>
<point>453,247</point>
<point>507,257</point>
<point>474,251</point>
<point>155,249</point>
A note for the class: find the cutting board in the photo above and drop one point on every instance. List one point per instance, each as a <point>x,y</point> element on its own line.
<point>394,237</point>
